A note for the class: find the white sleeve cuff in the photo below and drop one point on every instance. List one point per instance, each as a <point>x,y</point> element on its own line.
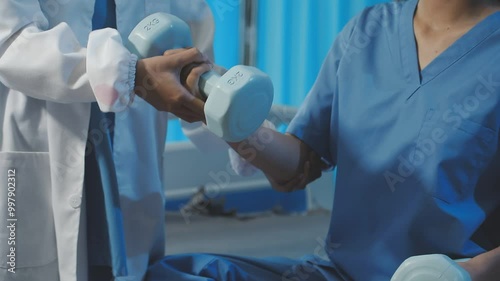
<point>241,166</point>
<point>111,70</point>
<point>202,138</point>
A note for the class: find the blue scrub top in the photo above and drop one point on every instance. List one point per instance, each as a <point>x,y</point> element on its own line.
<point>417,152</point>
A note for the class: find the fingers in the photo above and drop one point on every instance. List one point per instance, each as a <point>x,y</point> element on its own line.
<point>188,108</point>
<point>191,78</point>
<point>160,83</point>
<point>174,51</point>
<point>188,116</point>
<point>185,113</point>
<point>196,109</point>
<point>178,51</point>
<point>297,183</point>
<point>183,57</point>
<point>304,177</point>
<point>316,166</point>
<point>195,105</point>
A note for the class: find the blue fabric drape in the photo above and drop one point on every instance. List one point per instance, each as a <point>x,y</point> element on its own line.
<point>294,37</point>
<point>106,242</point>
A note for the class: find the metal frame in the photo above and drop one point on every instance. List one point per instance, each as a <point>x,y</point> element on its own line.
<point>248,32</point>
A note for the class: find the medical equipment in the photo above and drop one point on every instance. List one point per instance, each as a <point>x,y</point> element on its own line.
<point>430,268</point>
<point>237,102</point>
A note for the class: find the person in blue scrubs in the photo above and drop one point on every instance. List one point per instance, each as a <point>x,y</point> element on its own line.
<point>407,108</point>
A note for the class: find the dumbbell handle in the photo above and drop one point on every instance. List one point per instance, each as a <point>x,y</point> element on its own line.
<point>208,82</point>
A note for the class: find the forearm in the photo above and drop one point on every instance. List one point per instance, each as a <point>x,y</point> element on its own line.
<point>484,267</point>
<point>276,154</point>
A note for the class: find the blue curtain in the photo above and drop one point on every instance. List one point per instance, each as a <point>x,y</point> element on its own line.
<point>293,36</point>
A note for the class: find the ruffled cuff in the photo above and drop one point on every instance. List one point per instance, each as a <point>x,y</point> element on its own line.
<point>111,69</point>
<point>126,100</point>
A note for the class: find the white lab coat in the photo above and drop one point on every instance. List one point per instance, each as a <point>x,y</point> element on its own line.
<point>51,68</point>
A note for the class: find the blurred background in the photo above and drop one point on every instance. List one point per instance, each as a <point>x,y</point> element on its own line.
<point>210,209</point>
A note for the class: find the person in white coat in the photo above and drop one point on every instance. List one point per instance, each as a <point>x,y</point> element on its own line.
<point>52,67</point>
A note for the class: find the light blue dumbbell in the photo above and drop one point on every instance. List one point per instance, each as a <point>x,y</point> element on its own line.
<point>430,268</point>
<point>237,102</point>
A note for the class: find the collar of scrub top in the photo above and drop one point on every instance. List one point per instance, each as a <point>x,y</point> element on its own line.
<point>105,16</point>
<point>417,77</point>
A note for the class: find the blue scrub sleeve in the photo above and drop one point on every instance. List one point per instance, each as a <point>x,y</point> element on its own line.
<point>316,121</point>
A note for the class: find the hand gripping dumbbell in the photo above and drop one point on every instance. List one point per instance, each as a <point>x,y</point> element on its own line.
<point>430,268</point>
<point>237,102</point>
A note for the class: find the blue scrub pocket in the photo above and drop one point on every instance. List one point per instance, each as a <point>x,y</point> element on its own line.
<point>457,151</point>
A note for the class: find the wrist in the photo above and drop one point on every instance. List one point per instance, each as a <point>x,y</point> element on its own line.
<point>138,75</point>
<point>142,74</point>
<point>480,269</point>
